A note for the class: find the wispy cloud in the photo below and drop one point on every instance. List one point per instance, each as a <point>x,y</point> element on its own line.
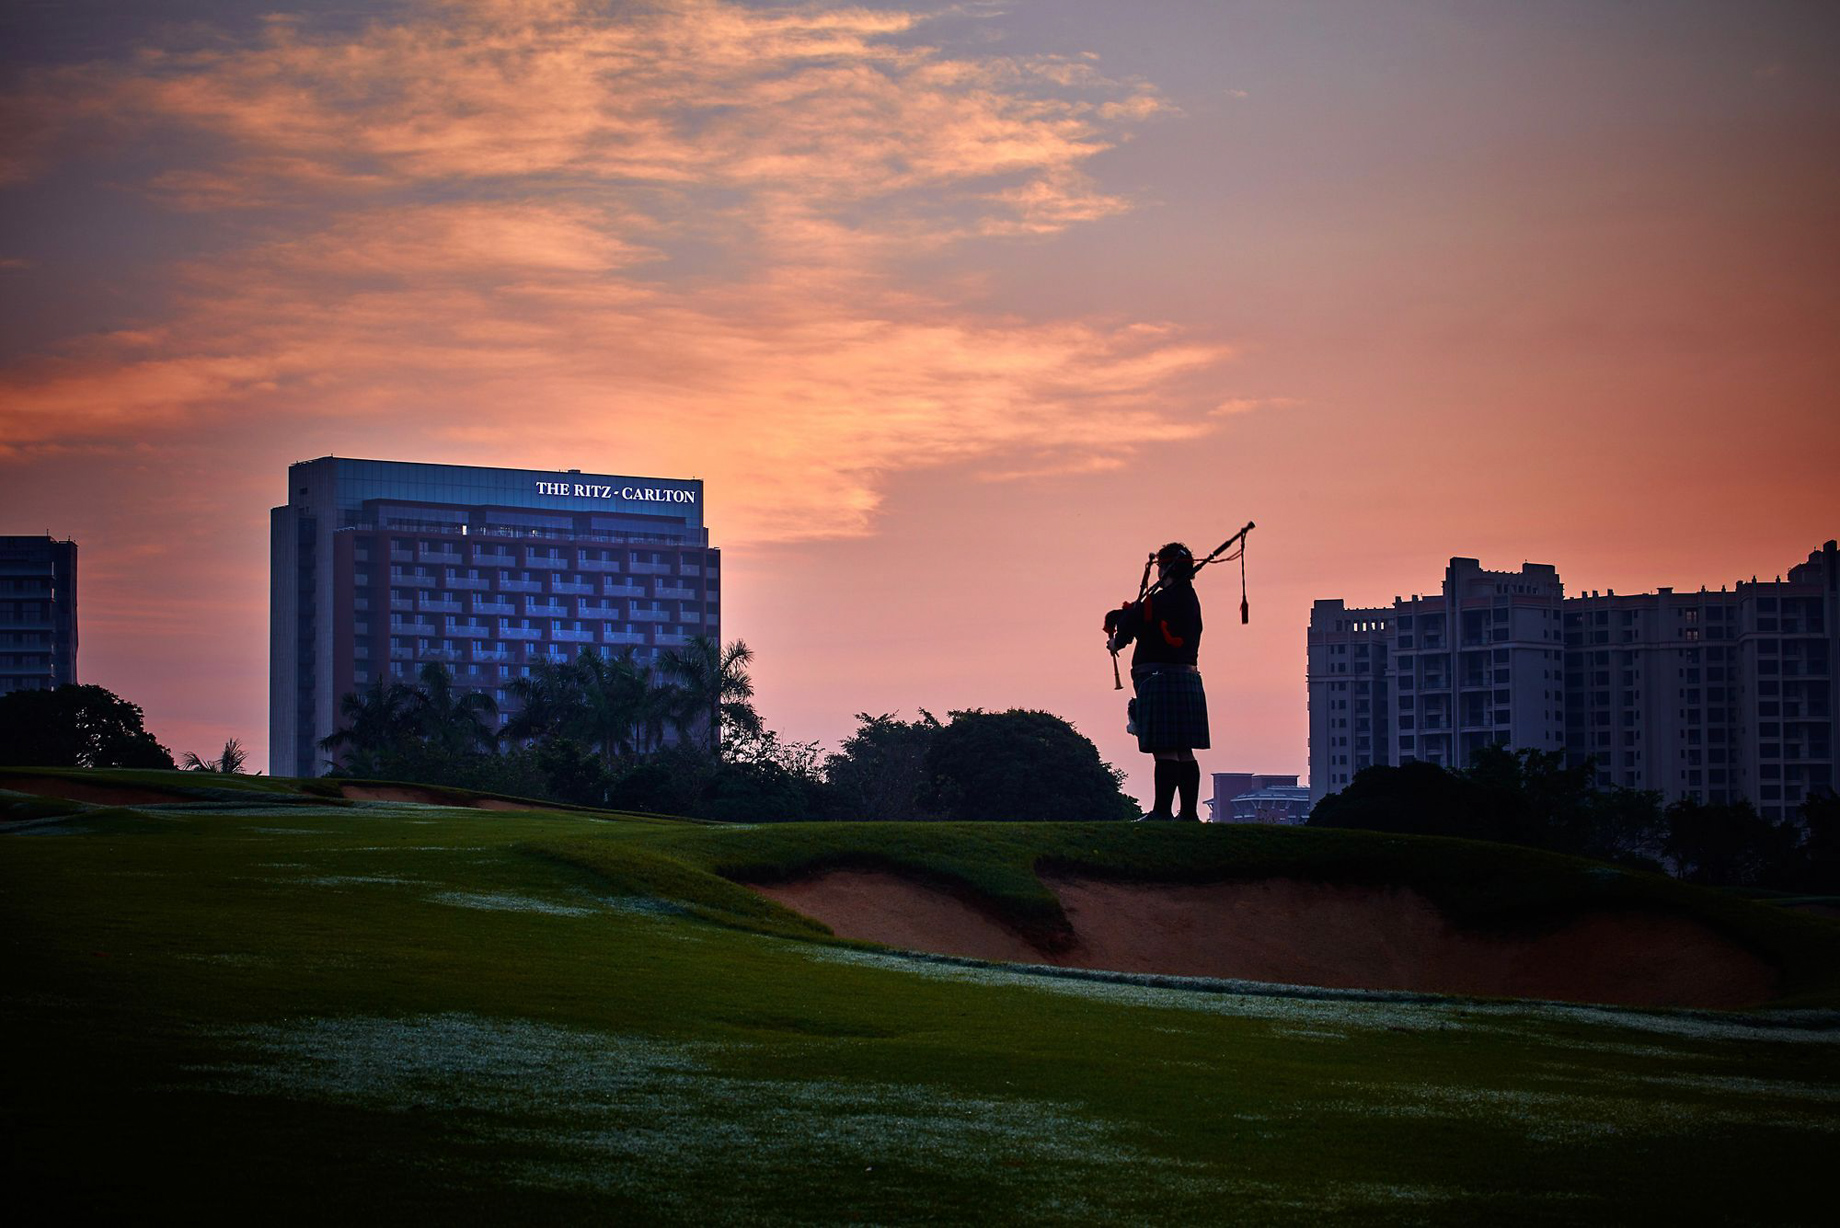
<point>693,236</point>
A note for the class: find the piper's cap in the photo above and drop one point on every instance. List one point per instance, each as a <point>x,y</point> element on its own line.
<point>1174,552</point>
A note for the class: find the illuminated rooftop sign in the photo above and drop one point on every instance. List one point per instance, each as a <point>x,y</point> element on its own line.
<point>631,494</point>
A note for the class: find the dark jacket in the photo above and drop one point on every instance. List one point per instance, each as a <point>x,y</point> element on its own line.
<point>1166,627</point>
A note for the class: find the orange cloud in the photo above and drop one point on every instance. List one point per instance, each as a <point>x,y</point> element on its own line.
<point>683,239</point>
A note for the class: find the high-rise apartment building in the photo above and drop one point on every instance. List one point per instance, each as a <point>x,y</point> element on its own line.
<point>1714,695</point>
<point>1434,678</point>
<point>38,613</point>
<point>377,567</point>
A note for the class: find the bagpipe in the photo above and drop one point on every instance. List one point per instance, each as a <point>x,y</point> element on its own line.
<point>1233,548</point>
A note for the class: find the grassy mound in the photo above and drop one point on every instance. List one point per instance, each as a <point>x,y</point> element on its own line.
<point>279,1005</point>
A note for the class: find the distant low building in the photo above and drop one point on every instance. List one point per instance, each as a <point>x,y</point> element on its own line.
<point>38,613</point>
<point>1252,797</point>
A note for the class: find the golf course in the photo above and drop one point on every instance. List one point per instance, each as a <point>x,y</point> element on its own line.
<point>273,1000</point>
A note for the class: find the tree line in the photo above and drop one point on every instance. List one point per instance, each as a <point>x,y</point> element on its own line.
<point>602,730</point>
<point>685,739</point>
<point>1533,798</point>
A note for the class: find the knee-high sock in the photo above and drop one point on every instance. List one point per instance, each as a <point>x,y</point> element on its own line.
<point>1168,776</point>
<point>1189,782</point>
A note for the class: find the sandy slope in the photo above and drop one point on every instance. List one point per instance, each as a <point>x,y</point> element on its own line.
<point>1302,933</point>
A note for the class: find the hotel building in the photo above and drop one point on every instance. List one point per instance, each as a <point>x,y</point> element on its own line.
<point>377,567</point>
<point>1716,696</point>
<point>38,613</point>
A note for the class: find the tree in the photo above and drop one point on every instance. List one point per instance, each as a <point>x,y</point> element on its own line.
<point>1821,843</point>
<point>378,724</point>
<point>455,724</point>
<point>1730,845</point>
<point>229,763</point>
<point>76,726</point>
<point>1414,798</point>
<point>1019,765</point>
<point>716,688</point>
<point>1528,797</point>
<point>549,703</point>
<point>880,769</point>
<point>610,702</point>
<point>660,708</point>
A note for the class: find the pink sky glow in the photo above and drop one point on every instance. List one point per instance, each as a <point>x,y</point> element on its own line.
<point>957,310</point>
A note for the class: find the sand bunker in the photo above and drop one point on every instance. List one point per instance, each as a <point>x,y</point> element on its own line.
<point>1300,933</point>
<point>85,791</point>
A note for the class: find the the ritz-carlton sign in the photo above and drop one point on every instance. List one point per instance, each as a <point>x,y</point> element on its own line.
<point>632,494</point>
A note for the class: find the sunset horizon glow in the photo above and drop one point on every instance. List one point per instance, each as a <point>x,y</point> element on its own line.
<point>957,311</point>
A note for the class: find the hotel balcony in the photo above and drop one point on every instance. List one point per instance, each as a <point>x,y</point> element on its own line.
<point>430,605</point>
<point>486,605</point>
<point>545,609</point>
<point>572,637</point>
<point>437,556</point>
<point>520,633</point>
<point>437,654</point>
<point>559,586</point>
<point>672,641</point>
<point>402,556</point>
<point>622,637</point>
<point>520,586</point>
<point>466,583</point>
<point>649,569</point>
<point>464,632</point>
<point>676,594</point>
<point>494,558</point>
<point>609,589</point>
<point>490,652</point>
<point>598,565</point>
<point>414,628</point>
<point>406,580</point>
<point>587,609</point>
<point>537,562</point>
<point>648,616</point>
<point>689,569</point>
<point>403,605</point>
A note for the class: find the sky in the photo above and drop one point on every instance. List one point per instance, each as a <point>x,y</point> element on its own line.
<point>958,310</point>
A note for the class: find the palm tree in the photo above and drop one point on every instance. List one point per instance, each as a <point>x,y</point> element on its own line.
<point>716,688</point>
<point>612,693</point>
<point>549,703</point>
<point>377,723</point>
<point>455,724</point>
<point>229,763</point>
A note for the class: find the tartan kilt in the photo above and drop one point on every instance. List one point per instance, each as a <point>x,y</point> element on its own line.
<point>1171,709</point>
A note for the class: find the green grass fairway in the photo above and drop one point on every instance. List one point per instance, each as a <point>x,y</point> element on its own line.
<point>271,1005</point>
